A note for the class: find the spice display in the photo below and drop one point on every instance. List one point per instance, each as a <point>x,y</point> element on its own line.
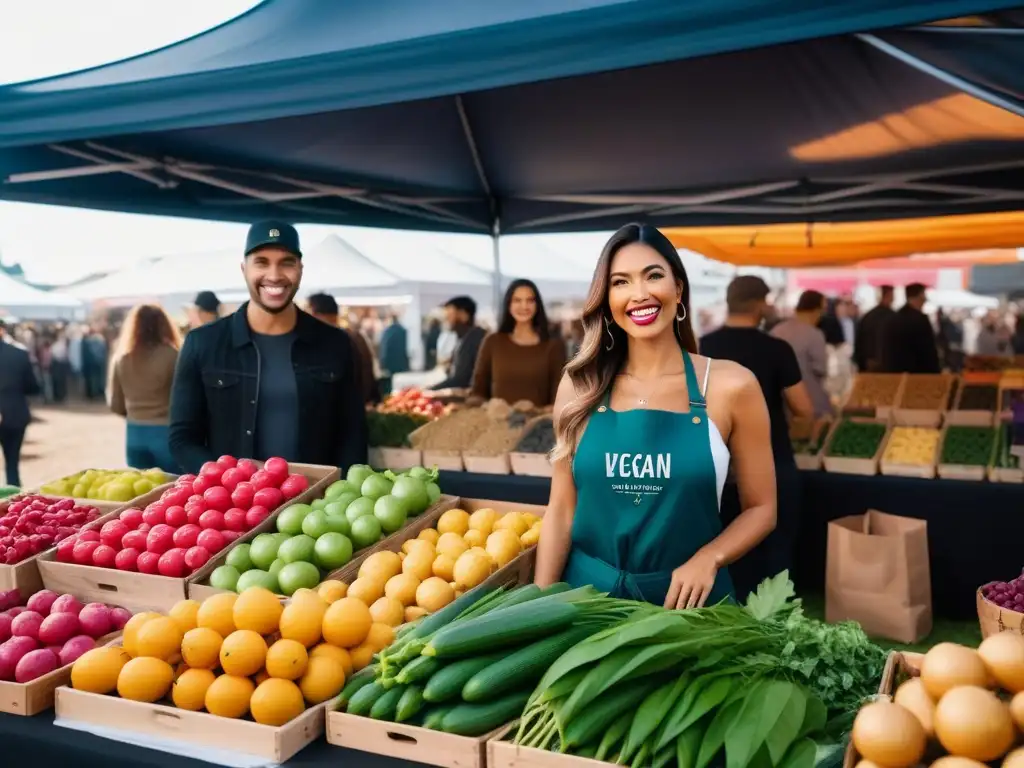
<point>453,432</point>
<point>539,438</point>
<point>499,439</point>
<point>856,439</point>
<point>912,445</point>
<point>979,397</point>
<point>926,392</point>
<point>970,446</point>
<point>874,390</point>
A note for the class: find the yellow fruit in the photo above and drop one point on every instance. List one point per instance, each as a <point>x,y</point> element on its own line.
<point>531,538</point>
<point>443,567</point>
<point>434,594</point>
<point>401,556</point>
<point>275,702</point>
<point>402,588</point>
<point>418,544</point>
<point>387,610</point>
<point>912,696</point>
<point>483,520</point>
<point>257,609</point>
<point>323,680</point>
<point>381,566</point>
<point>1017,710</point>
<point>948,665</point>
<point>309,596</point>
<point>1003,656</point>
<point>189,690</point>
<point>453,521</point>
<point>200,648</point>
<point>471,569</point>
<point>229,695</point>
<point>131,630</point>
<point>217,613</point>
<point>513,521</point>
<point>184,612</point>
<point>243,653</point>
<point>451,544</point>
<point>305,592</point>
<point>287,659</point>
<point>302,621</point>
<point>419,564</point>
<point>159,638</point>
<point>145,679</point>
<point>1013,760</point>
<point>531,519</point>
<point>361,655</point>
<point>332,590</point>
<point>380,636</point>
<point>366,588</point>
<point>96,671</point>
<point>504,546</point>
<point>347,623</point>
<point>972,722</point>
<point>888,735</point>
<point>332,651</point>
<point>429,534</point>
<point>414,612</point>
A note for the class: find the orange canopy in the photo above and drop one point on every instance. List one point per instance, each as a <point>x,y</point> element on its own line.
<point>826,244</point>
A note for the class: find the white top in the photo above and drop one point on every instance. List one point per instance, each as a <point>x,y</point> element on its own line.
<point>719,450</point>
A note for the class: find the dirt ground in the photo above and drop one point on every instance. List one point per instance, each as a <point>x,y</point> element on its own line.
<point>69,438</point>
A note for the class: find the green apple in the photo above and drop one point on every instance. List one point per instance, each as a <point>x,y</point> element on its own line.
<point>239,558</point>
<point>296,576</point>
<point>290,519</point>
<point>263,550</point>
<point>257,578</point>
<point>361,507</point>
<point>315,525</point>
<point>366,530</point>
<point>225,577</point>
<point>332,550</point>
<point>297,548</point>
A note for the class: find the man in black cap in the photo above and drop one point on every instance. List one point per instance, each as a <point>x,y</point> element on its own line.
<point>206,308</point>
<point>268,380</point>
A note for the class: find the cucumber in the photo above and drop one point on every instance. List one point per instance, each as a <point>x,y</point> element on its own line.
<point>410,704</point>
<point>447,682</point>
<point>385,707</point>
<point>360,679</point>
<point>419,669</point>
<point>435,621</point>
<point>362,701</point>
<point>478,719</point>
<point>503,628</point>
<point>434,716</point>
<point>524,667</point>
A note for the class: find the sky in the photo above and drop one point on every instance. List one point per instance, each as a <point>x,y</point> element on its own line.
<point>59,245</point>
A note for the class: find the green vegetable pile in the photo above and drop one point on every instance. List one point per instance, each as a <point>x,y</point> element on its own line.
<point>979,397</point>
<point>854,439</point>
<point>968,445</point>
<point>392,430</point>
<point>1004,442</point>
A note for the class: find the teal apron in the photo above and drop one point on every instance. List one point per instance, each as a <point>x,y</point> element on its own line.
<point>646,499</point>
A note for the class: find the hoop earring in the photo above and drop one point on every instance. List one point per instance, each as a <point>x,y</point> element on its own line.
<point>679,318</point>
<point>611,339</point>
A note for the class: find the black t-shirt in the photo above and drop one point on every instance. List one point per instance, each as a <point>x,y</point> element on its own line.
<point>277,407</point>
<point>774,364</point>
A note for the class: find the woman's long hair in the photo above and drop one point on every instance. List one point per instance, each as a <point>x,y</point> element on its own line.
<point>540,317</point>
<point>595,367</point>
<point>147,326</point>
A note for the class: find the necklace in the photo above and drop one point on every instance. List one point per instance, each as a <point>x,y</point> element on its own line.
<point>645,396</point>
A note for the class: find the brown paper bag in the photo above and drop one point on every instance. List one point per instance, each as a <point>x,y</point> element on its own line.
<point>877,574</point>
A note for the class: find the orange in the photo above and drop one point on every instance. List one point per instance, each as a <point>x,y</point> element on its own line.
<point>474,538</point>
<point>276,701</point>
<point>243,653</point>
<point>380,566</point>
<point>287,659</point>
<point>483,520</point>
<point>453,521</point>
<point>145,679</point>
<point>131,630</point>
<point>200,648</point>
<point>418,544</point>
<point>189,690</point>
<point>323,680</point>
<point>159,638</point>
<point>332,590</point>
<point>419,564</point>
<point>434,594</point>
<point>184,612</point>
<point>217,613</point>
<point>347,623</point>
<point>402,588</point>
<point>362,655</point>
<point>429,534</point>
<point>380,636</point>
<point>228,696</point>
<point>257,609</point>
<point>334,652</point>
<point>388,610</point>
<point>366,588</point>
<point>451,544</point>
<point>301,621</point>
<point>96,671</point>
<point>260,676</point>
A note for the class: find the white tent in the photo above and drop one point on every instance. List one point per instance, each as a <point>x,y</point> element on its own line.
<point>25,302</point>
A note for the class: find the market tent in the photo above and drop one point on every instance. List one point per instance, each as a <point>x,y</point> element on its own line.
<point>28,303</point>
<point>539,115</point>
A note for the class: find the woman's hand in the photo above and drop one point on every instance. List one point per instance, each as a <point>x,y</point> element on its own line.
<point>693,581</point>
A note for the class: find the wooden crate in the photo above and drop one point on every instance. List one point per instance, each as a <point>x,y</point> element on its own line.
<point>487,465</point>
<point>450,461</point>
<point>26,576</point>
<point>395,458</point>
<point>897,469</point>
<point>177,731</point>
<point>530,464</point>
<point>898,667</point>
<point>922,417</point>
<point>853,406</point>
<point>813,429</point>
<point>974,418</point>
<point>502,753</point>
<point>964,471</point>
<point>852,466</point>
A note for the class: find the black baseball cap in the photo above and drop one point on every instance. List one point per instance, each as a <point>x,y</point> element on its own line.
<point>207,301</point>
<point>279,234</point>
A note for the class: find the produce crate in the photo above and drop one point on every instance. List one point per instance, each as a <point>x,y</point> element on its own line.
<point>530,464</point>
<point>898,667</point>
<point>994,619</point>
<point>811,431</point>
<point>849,465</point>
<point>996,472</point>
<point>147,591</point>
<point>450,461</point>
<point>502,753</point>
<point>965,408</point>
<point>487,465</point>
<point>395,458</point>
<point>964,471</point>
<point>874,394</point>
<point>29,699</point>
<point>180,732</point>
<point>923,399</point>
<point>26,576</point>
<point>901,469</point>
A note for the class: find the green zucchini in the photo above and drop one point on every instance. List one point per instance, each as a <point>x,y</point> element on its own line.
<point>360,679</point>
<point>362,701</point>
<point>419,669</point>
<point>478,719</point>
<point>502,628</point>
<point>590,723</point>
<point>410,704</point>
<point>435,621</point>
<point>434,716</point>
<point>524,667</point>
<point>384,708</point>
<point>447,682</point>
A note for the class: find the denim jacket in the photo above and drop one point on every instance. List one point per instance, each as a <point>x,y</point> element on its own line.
<point>216,393</point>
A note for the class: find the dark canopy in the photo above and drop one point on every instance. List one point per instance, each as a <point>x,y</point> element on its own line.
<point>545,115</point>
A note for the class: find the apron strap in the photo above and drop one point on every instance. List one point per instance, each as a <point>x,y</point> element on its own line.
<point>692,385</point>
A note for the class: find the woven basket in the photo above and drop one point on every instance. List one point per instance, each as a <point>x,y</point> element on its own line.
<point>994,619</point>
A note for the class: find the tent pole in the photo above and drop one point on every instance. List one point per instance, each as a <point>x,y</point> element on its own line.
<point>496,275</point>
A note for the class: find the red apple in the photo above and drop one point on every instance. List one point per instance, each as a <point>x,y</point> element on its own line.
<point>211,539</point>
<point>172,563</point>
<point>277,468</point>
<point>247,466</point>
<point>203,483</point>
<point>104,556</point>
<point>134,540</point>
<point>234,519</point>
<point>148,562</point>
<point>126,559</point>
<point>255,516</point>
<point>160,539</point>
<point>241,497</point>
<point>231,478</point>
<point>131,517</point>
<point>83,551</point>
<point>263,479</point>
<point>211,518</point>
<point>293,485</point>
<point>227,461</point>
<point>175,516</point>
<point>271,498</point>
<point>218,498</point>
<point>112,532</point>
<point>186,536</point>
<point>230,536</point>
<point>154,514</point>
<point>197,557</point>
<point>192,514</point>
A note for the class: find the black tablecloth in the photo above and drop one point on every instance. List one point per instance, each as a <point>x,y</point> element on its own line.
<point>975,529</point>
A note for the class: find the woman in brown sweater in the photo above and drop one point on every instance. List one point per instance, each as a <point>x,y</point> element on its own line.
<point>520,361</point>
<point>140,385</point>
